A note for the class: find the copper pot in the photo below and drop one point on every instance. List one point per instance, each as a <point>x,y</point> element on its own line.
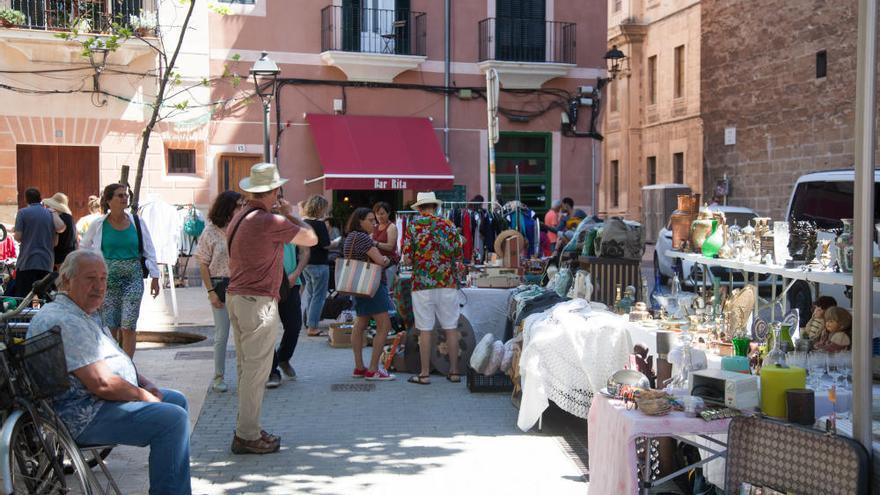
<point>681,219</point>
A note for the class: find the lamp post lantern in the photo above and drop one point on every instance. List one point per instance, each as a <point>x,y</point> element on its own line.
<point>265,73</point>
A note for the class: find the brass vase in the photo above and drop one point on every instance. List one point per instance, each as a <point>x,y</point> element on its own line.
<point>682,217</point>
<point>702,228</point>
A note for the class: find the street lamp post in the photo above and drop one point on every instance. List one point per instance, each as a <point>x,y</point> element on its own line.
<point>265,73</point>
<point>591,96</point>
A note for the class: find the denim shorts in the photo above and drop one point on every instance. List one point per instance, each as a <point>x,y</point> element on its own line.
<point>379,303</point>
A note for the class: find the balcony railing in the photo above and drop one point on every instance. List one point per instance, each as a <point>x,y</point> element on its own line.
<point>527,40</point>
<point>400,32</point>
<point>87,15</point>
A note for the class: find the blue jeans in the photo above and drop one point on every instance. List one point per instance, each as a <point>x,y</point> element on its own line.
<point>163,426</point>
<point>221,338</point>
<point>316,277</point>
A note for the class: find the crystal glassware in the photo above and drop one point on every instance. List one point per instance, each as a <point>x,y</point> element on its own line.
<point>780,242</point>
<point>776,356</point>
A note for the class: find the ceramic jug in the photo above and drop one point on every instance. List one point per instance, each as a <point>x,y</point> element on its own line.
<point>681,219</point>
<point>702,228</point>
<point>844,245</point>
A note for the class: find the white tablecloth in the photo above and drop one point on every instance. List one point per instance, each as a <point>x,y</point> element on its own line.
<point>486,310</point>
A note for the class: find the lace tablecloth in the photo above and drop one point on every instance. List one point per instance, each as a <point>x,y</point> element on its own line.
<point>569,352</point>
<point>612,431</point>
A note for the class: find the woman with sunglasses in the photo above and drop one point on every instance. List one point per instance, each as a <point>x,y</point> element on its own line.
<point>116,236</point>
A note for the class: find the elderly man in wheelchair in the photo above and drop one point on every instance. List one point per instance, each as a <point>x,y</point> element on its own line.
<point>109,402</point>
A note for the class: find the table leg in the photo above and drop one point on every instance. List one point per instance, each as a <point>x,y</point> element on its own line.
<point>646,468</point>
<point>773,297</point>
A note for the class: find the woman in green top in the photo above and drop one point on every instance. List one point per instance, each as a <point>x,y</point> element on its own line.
<point>115,236</point>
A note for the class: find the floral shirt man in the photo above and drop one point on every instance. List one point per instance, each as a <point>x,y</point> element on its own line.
<point>434,246</point>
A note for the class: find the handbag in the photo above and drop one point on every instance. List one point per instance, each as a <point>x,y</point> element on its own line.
<point>137,226</point>
<point>284,290</point>
<point>357,278</point>
<point>220,285</point>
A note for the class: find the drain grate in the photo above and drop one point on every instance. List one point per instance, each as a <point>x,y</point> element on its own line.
<point>196,355</point>
<point>353,387</point>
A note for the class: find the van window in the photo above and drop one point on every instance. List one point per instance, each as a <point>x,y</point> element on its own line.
<point>826,203</point>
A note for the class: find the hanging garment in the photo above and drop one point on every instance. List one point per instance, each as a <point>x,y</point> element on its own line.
<point>165,225</point>
<point>466,232</point>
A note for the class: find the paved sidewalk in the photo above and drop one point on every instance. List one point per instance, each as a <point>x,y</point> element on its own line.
<point>396,438</point>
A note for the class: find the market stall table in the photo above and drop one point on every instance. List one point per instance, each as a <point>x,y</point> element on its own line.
<point>613,430</point>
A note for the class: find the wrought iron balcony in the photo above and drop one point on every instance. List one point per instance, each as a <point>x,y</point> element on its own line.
<point>395,32</point>
<point>95,16</point>
<point>527,40</point>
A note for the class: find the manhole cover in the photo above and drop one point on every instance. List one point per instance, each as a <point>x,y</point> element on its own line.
<point>193,355</point>
<point>353,387</point>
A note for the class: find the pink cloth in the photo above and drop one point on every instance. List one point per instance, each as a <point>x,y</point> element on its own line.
<point>257,251</point>
<point>612,431</point>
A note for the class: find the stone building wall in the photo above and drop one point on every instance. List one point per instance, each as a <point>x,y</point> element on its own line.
<point>759,76</point>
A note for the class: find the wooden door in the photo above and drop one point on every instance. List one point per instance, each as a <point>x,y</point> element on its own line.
<point>73,170</point>
<point>233,168</point>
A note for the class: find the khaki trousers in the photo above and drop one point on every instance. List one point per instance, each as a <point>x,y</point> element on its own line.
<point>255,323</point>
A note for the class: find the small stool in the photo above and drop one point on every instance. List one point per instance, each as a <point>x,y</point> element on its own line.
<point>95,451</point>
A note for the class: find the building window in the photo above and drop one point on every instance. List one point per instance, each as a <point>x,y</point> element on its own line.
<point>612,94</point>
<point>652,170</point>
<point>679,71</point>
<point>678,168</point>
<point>652,80</point>
<point>618,4</point>
<point>821,64</point>
<point>528,153</point>
<point>181,161</point>
<point>615,183</point>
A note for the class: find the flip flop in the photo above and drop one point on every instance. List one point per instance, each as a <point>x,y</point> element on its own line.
<point>419,380</point>
<point>454,377</point>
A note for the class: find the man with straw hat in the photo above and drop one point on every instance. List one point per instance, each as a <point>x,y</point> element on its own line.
<point>255,237</point>
<point>65,242</point>
<point>433,246</point>
<point>35,229</point>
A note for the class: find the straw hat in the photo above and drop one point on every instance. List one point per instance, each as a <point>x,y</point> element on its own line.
<point>503,236</point>
<point>58,202</point>
<point>426,198</point>
<point>264,177</point>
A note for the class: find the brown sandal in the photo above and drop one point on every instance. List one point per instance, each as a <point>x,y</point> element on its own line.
<point>454,377</point>
<point>420,379</point>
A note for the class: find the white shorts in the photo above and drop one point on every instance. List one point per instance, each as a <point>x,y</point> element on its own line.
<point>432,305</point>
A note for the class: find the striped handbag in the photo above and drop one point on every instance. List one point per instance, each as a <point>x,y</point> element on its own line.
<point>357,278</point>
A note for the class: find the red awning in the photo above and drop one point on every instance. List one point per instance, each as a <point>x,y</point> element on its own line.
<point>365,152</point>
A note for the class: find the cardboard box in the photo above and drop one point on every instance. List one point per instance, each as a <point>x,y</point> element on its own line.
<point>499,282</point>
<point>340,335</point>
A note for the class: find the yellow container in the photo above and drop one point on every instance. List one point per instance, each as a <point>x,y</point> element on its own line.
<point>774,382</point>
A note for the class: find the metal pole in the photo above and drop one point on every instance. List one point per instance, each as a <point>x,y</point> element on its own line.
<point>492,113</point>
<point>447,42</point>
<point>267,154</point>
<point>866,63</point>
<point>593,178</point>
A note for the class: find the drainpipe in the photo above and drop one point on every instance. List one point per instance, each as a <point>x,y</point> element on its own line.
<point>447,62</point>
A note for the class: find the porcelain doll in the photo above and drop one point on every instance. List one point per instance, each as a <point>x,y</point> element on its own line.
<point>835,337</point>
<point>816,325</point>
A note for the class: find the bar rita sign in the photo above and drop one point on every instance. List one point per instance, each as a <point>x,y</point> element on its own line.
<point>389,184</point>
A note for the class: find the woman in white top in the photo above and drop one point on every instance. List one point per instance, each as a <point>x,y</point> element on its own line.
<point>213,258</point>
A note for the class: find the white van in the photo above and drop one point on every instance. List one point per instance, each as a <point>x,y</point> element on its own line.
<point>824,198</point>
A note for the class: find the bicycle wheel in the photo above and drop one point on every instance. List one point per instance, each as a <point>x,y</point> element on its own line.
<point>36,464</point>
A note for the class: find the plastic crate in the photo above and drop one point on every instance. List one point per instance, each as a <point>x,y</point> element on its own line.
<point>477,383</point>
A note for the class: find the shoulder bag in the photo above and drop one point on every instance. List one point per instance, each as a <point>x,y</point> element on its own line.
<point>137,226</point>
<point>355,277</point>
<point>285,284</point>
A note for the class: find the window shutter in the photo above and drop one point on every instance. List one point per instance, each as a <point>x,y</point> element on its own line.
<point>351,25</point>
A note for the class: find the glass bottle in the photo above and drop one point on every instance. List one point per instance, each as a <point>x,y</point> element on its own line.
<point>776,356</point>
<point>617,298</point>
<point>656,291</point>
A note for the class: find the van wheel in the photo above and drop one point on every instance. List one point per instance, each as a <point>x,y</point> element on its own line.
<point>663,278</point>
<point>801,297</point>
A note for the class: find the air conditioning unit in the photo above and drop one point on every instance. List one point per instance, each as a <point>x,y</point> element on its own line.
<point>658,203</point>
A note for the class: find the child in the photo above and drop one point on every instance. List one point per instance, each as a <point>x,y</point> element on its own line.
<point>816,325</point>
<point>835,338</point>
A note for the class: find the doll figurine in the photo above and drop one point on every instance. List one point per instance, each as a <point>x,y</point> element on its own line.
<point>836,337</point>
<point>816,325</point>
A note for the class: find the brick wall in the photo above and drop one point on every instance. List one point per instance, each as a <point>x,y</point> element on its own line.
<point>759,75</point>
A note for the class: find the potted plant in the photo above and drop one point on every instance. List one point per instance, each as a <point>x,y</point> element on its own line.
<point>11,17</point>
<point>143,24</point>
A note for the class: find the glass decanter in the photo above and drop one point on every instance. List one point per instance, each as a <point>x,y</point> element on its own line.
<point>681,380</point>
<point>776,356</point>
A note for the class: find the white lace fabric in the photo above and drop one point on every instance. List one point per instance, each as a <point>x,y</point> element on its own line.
<point>569,352</point>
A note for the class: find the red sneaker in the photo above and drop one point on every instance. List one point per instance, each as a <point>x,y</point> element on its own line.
<point>359,373</point>
<point>379,375</point>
